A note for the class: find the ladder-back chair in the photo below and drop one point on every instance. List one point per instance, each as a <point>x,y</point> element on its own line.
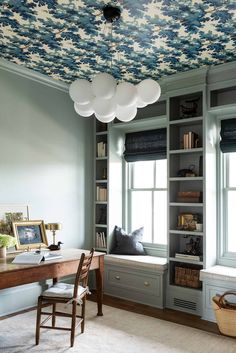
<point>73,294</point>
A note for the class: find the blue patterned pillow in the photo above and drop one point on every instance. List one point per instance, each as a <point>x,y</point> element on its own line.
<point>128,244</point>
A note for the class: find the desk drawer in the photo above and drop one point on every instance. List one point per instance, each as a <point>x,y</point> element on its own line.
<point>139,282</point>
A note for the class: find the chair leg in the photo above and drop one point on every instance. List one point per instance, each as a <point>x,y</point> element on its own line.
<point>73,324</point>
<point>38,320</point>
<point>53,315</point>
<point>83,314</point>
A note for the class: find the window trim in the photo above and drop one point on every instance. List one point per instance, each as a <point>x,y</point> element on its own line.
<point>154,249</point>
<point>224,257</point>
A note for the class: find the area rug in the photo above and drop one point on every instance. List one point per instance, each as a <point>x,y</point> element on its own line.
<point>118,331</point>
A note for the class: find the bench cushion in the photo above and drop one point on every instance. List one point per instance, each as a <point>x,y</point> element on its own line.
<point>138,261</point>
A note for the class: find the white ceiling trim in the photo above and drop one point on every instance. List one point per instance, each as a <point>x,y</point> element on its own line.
<point>33,75</point>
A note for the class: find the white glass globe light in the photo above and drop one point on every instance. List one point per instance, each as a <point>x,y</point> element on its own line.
<point>105,119</point>
<point>126,94</point>
<point>81,109</point>
<point>104,86</point>
<point>104,107</point>
<point>140,103</point>
<point>126,114</point>
<point>149,91</point>
<point>80,91</point>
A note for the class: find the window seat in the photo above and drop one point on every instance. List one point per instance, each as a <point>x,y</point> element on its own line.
<point>135,277</point>
<point>216,280</point>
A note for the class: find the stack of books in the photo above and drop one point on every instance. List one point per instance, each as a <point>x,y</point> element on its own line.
<point>100,240</point>
<point>188,257</point>
<point>101,149</point>
<point>190,140</point>
<point>101,193</point>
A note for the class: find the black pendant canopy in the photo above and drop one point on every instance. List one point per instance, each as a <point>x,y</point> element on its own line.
<point>111,13</point>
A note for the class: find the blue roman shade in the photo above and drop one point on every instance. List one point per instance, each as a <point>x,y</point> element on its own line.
<point>228,135</point>
<point>145,145</point>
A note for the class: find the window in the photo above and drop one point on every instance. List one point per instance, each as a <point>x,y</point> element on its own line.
<point>147,199</point>
<point>228,206</point>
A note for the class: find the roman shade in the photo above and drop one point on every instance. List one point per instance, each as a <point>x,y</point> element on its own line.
<point>228,135</point>
<point>145,145</point>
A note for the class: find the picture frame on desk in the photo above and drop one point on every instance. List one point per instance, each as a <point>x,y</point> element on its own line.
<point>30,234</point>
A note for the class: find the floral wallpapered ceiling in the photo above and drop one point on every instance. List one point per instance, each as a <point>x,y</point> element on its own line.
<point>68,39</point>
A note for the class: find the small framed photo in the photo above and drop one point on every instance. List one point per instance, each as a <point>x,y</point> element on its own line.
<point>30,234</point>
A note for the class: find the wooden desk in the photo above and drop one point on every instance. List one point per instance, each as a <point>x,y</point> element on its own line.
<point>12,275</point>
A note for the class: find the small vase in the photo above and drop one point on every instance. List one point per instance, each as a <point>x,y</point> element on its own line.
<point>3,252</point>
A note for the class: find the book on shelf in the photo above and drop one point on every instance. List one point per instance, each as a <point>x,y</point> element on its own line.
<point>188,257</point>
<point>101,193</point>
<point>190,140</point>
<point>101,149</point>
<point>35,257</point>
<point>100,240</point>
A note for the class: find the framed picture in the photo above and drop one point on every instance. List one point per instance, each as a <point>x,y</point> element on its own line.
<point>12,213</point>
<point>30,234</point>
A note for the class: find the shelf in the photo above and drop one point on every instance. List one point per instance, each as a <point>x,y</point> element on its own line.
<point>189,150</point>
<point>101,249</point>
<point>101,181</point>
<point>186,287</point>
<point>186,261</point>
<point>194,204</point>
<point>101,133</point>
<point>101,202</point>
<point>187,121</point>
<point>100,225</point>
<point>101,158</point>
<point>200,178</point>
<point>185,232</point>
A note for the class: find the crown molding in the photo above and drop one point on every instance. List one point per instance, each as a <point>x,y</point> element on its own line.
<point>33,75</point>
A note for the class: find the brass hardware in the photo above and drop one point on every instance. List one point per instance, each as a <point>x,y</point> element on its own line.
<point>117,277</point>
<point>147,284</point>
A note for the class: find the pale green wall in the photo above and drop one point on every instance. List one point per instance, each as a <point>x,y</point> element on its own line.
<point>46,156</point>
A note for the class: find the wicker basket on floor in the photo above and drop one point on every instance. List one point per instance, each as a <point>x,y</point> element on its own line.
<point>225,314</point>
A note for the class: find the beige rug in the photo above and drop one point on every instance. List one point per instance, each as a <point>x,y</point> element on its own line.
<point>118,331</point>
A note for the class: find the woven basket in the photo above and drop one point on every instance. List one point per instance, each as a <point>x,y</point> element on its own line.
<point>187,277</point>
<point>225,314</point>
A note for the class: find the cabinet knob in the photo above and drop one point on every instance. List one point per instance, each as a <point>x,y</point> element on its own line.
<point>117,277</point>
<point>146,284</point>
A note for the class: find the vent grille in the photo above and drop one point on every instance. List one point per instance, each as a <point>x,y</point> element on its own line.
<point>185,304</point>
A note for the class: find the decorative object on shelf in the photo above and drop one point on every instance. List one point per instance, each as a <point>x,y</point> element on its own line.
<point>188,172</point>
<point>6,241</point>
<point>187,221</point>
<point>189,108</point>
<point>102,215</point>
<point>53,227</point>
<point>189,196</point>
<point>30,234</point>
<point>107,99</point>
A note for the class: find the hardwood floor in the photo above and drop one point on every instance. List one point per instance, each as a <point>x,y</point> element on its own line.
<point>163,314</point>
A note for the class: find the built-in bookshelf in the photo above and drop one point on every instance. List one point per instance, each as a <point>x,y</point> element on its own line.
<point>186,197</point>
<point>101,186</point>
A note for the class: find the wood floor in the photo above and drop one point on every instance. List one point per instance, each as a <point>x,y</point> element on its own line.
<point>163,314</point>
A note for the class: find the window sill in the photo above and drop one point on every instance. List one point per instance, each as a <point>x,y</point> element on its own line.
<point>221,273</point>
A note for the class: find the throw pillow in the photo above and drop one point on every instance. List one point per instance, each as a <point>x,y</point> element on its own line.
<point>128,244</point>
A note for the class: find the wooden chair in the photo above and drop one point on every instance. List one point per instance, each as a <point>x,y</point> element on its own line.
<point>67,294</point>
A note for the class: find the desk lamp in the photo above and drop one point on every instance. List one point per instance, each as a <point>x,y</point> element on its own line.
<point>54,227</point>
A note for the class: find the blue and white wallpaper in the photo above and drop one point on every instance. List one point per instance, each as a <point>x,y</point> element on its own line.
<point>69,39</point>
